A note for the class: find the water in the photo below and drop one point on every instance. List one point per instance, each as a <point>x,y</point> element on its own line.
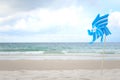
<point>62,51</point>
<point>59,48</point>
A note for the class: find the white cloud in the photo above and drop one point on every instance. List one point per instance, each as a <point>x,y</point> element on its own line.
<point>114,19</point>
<point>41,19</point>
<point>5,28</point>
<point>4,9</point>
<point>70,22</point>
<point>15,6</point>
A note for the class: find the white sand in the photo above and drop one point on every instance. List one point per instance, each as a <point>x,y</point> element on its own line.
<point>59,70</point>
<point>113,74</point>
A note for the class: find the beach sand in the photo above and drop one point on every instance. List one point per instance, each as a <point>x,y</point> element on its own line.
<point>59,70</point>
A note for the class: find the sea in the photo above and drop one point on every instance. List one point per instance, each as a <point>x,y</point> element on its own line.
<point>50,50</point>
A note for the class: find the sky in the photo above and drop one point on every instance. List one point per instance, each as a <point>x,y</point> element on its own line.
<point>55,20</point>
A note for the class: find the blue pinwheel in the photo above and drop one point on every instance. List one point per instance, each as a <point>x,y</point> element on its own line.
<point>99,27</point>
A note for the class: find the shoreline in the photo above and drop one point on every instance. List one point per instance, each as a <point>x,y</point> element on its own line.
<point>60,57</point>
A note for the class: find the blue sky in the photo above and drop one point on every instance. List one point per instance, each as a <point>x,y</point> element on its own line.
<point>55,20</point>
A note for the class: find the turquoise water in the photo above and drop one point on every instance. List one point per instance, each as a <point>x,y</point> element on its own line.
<point>60,48</point>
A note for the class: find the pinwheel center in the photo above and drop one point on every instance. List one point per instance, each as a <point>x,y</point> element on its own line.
<point>94,29</point>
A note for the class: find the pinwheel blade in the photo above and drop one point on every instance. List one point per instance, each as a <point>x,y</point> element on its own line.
<point>99,27</point>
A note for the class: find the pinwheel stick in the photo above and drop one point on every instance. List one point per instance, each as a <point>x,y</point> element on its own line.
<point>102,62</point>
